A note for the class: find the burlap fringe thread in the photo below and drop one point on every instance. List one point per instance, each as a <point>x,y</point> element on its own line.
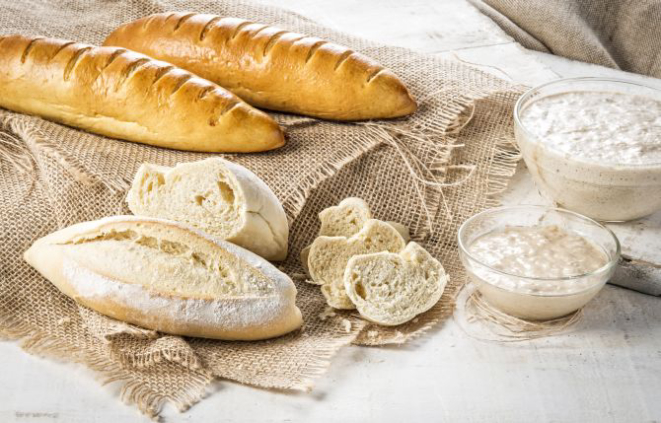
<point>20,141</point>
<point>481,321</point>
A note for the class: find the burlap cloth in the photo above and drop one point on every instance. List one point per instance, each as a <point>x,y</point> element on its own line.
<point>420,171</point>
<point>621,34</point>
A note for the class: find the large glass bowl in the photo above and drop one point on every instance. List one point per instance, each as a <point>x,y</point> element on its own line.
<point>552,297</point>
<point>606,192</point>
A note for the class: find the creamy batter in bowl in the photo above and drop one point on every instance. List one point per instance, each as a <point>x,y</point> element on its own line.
<point>594,145</point>
<point>536,262</point>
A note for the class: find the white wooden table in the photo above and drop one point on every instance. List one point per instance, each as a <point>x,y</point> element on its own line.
<point>607,369</point>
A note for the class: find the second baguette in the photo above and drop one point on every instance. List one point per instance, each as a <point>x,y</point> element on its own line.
<point>271,67</point>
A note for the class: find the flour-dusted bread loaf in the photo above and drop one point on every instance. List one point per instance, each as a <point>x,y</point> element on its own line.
<point>390,289</point>
<point>346,219</point>
<point>165,276</point>
<point>219,197</point>
<point>126,95</point>
<point>270,67</point>
<point>329,256</point>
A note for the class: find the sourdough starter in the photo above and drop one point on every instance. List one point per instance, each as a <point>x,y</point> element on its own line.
<point>549,252</point>
<point>537,252</point>
<point>603,127</point>
<point>597,153</point>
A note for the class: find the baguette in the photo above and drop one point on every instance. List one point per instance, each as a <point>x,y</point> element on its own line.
<point>165,276</point>
<point>126,95</point>
<point>390,289</point>
<point>270,67</point>
<point>221,198</point>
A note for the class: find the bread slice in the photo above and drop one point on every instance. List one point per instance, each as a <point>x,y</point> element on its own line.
<point>122,94</point>
<point>329,256</point>
<point>219,197</point>
<point>345,219</point>
<point>271,67</point>
<point>390,289</point>
<point>165,276</point>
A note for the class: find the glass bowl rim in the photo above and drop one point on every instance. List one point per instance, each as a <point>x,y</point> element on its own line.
<point>612,262</point>
<point>531,91</point>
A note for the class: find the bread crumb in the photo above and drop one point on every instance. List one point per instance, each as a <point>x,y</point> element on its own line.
<point>372,334</point>
<point>64,321</point>
<point>299,276</point>
<point>328,312</point>
<point>346,324</point>
<point>416,320</point>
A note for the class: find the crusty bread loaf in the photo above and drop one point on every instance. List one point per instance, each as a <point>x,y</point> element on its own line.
<point>165,276</point>
<point>270,67</point>
<point>122,94</point>
<point>329,257</point>
<point>391,289</point>
<point>346,219</point>
<point>221,198</point>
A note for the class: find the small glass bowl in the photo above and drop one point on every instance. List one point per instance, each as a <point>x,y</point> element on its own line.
<point>606,192</point>
<point>555,297</point>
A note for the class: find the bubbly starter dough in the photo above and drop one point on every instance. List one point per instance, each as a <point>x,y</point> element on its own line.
<point>605,127</point>
<point>597,153</point>
<point>544,251</point>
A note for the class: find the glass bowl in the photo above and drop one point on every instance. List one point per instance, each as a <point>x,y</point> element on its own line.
<point>606,192</point>
<point>551,297</point>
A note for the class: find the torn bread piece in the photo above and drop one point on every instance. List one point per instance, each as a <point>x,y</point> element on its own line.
<point>329,256</point>
<point>390,289</point>
<point>349,217</point>
<point>165,276</point>
<point>219,197</point>
<point>345,219</point>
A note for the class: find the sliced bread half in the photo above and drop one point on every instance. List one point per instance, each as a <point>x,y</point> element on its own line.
<point>165,276</point>
<point>390,289</point>
<point>219,197</point>
<point>329,256</point>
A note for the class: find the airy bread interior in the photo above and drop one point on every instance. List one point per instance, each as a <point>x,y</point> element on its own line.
<point>207,198</point>
<point>329,256</point>
<point>391,289</point>
<point>221,198</point>
<point>178,263</point>
<point>345,219</point>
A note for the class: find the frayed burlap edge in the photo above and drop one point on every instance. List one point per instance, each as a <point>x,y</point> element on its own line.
<point>132,391</point>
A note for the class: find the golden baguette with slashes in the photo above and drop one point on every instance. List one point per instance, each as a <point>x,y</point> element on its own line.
<point>122,94</point>
<point>270,67</point>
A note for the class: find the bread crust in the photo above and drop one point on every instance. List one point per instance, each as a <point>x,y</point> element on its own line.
<point>122,94</point>
<point>243,317</point>
<point>270,67</point>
